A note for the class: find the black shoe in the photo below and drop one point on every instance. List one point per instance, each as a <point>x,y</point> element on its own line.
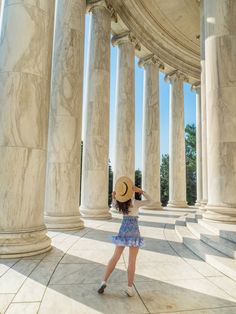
<point>102,288</point>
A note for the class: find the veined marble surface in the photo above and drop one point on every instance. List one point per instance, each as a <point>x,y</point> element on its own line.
<point>125,110</point>
<point>65,119</point>
<point>203,110</point>
<point>220,48</point>
<point>25,63</point>
<point>1,13</point>
<point>151,133</point>
<point>94,193</point>
<point>199,145</point>
<point>177,164</point>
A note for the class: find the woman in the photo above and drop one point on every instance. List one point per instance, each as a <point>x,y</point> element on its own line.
<point>129,234</point>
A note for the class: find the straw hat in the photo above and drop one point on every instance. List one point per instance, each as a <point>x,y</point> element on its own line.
<point>124,189</point>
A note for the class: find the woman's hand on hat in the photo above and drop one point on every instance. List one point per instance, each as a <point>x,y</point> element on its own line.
<point>137,190</point>
<point>113,194</point>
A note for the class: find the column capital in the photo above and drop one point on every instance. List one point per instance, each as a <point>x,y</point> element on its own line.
<point>125,37</point>
<point>176,74</point>
<point>91,4</point>
<point>196,86</point>
<point>151,59</point>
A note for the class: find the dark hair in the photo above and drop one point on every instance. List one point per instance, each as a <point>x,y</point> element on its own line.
<point>123,207</point>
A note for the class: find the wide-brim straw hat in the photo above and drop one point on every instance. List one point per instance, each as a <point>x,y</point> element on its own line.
<point>124,189</point>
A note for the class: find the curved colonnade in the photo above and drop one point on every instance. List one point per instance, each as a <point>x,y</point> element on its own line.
<point>41,92</point>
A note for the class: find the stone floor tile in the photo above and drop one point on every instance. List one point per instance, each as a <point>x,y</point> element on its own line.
<point>34,257</point>
<point>12,280</point>
<point>168,297</point>
<point>225,283</point>
<point>55,255</point>
<point>84,299</point>
<point>221,310</point>
<point>166,270</point>
<point>6,264</point>
<point>89,256</point>
<point>33,288</point>
<point>203,285</point>
<point>151,232</point>
<point>23,308</point>
<point>80,273</point>
<point>152,257</point>
<point>5,300</point>
<point>86,243</point>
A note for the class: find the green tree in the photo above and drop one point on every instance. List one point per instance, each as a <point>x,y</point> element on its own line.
<point>164,173</point>
<point>110,184</point>
<point>138,182</point>
<point>190,143</point>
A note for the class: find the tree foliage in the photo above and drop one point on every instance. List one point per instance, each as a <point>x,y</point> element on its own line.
<point>110,184</point>
<point>190,144</point>
<point>164,173</point>
<point>138,182</point>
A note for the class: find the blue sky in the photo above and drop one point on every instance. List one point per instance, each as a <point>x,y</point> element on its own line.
<point>189,105</point>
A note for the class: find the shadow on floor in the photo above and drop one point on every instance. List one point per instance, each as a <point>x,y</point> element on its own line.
<point>72,289</point>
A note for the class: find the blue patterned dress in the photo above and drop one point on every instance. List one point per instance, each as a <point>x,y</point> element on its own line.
<point>129,234</point>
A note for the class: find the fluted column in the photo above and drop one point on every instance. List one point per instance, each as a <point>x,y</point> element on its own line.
<point>197,88</point>
<point>25,66</point>
<point>177,164</point>
<point>203,111</point>
<point>151,130</point>
<point>64,142</point>
<point>124,164</point>
<point>220,48</point>
<point>94,195</point>
<point>1,13</point>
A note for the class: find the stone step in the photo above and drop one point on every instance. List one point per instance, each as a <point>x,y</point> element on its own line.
<point>224,246</point>
<point>220,261</point>
<point>226,231</point>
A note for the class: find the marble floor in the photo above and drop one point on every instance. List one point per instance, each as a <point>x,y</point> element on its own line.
<point>169,277</point>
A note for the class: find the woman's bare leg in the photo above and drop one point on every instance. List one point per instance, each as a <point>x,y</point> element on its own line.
<point>113,261</point>
<point>133,252</point>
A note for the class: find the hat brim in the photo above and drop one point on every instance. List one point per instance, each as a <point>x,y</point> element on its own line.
<point>128,193</point>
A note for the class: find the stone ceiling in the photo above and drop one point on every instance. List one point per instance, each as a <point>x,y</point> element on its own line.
<point>167,28</point>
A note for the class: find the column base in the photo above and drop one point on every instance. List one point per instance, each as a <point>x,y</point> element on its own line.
<point>177,204</point>
<point>220,214</point>
<point>203,204</point>
<point>197,203</point>
<point>60,223</point>
<point>24,243</point>
<point>90,213</point>
<point>153,206</point>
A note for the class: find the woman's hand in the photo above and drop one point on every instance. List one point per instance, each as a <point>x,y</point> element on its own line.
<point>137,190</point>
<point>113,194</point>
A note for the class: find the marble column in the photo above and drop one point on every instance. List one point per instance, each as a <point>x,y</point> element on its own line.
<point>151,130</point>
<point>124,164</point>
<point>220,52</point>
<point>177,164</point>
<point>203,110</point>
<point>25,66</point>
<point>1,9</point>
<point>197,88</point>
<point>1,15</point>
<point>65,118</point>
<point>94,195</point>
